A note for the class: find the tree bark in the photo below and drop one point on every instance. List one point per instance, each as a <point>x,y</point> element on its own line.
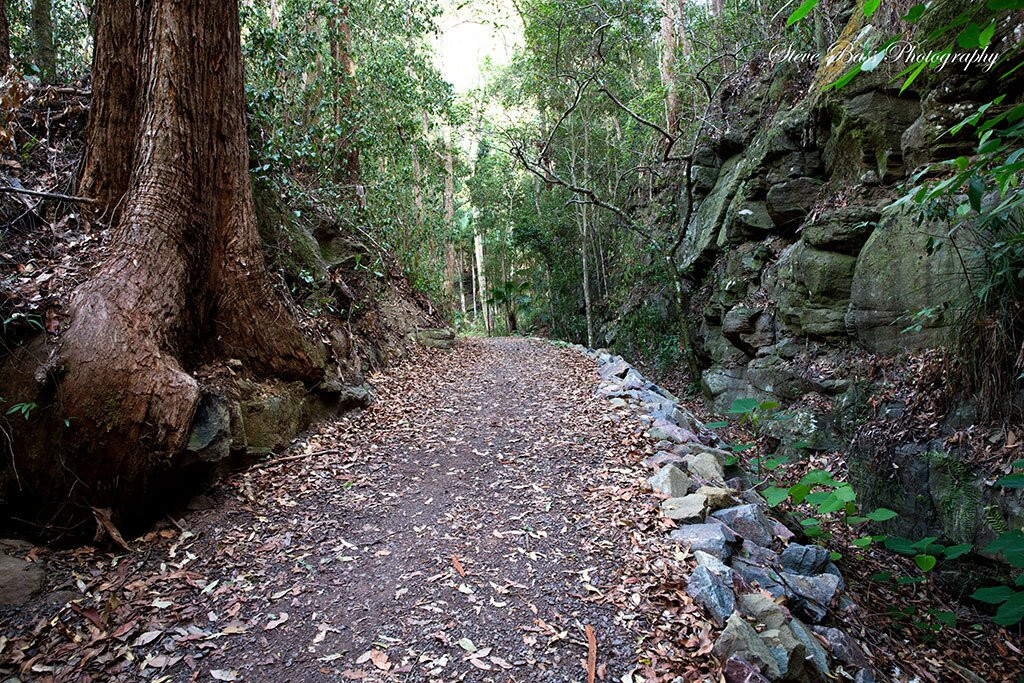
<point>346,152</point>
<point>478,244</point>
<point>668,64</point>
<point>109,154</point>
<point>185,281</point>
<point>5,39</point>
<point>44,52</point>
<point>449,218</point>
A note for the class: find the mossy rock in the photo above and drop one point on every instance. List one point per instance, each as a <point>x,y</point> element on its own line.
<point>811,288</point>
<point>903,297</point>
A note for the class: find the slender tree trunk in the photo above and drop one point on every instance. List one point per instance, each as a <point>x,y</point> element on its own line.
<point>185,280</point>
<point>472,282</point>
<point>588,309</point>
<point>449,219</point>
<point>5,39</point>
<point>668,64</point>
<point>346,153</point>
<point>462,282</point>
<point>478,243</point>
<point>43,51</point>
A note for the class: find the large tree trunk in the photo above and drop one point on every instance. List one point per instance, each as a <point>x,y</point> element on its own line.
<point>5,39</point>
<point>44,52</point>
<point>185,280</point>
<point>109,154</point>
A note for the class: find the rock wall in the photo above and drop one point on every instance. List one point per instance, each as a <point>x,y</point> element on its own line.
<point>807,275</point>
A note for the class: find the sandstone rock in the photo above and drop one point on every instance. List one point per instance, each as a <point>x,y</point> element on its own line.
<point>19,580</point>
<point>748,329</point>
<point>705,467</point>
<point>756,554</point>
<point>765,577</point>
<point>812,595</point>
<point>790,201</point>
<point>210,436</point>
<point>670,481</point>
<point>739,638</point>
<point>844,230</point>
<point>843,647</point>
<point>712,591</point>
<point>812,290</point>
<point>739,670</point>
<point>896,278</point>
<point>664,457</point>
<point>670,432</point>
<point>435,338</point>
<point>685,509</point>
<point>717,497</point>
<point>748,522</point>
<point>615,369</point>
<point>816,655</point>
<point>702,234</point>
<point>712,538</point>
<point>804,559</point>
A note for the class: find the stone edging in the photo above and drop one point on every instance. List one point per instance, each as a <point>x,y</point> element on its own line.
<point>750,576</point>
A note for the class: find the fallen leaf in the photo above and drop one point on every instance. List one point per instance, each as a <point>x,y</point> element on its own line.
<point>274,623</point>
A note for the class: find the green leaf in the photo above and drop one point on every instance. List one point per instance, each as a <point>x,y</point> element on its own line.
<point>970,36</point>
<point>775,495</point>
<point>798,492</point>
<point>986,34</point>
<point>1005,4</point>
<point>801,11</point>
<point>946,618</point>
<point>846,493</point>
<point>925,562</point>
<point>716,425</point>
<point>740,447</point>
<point>881,577</point>
<point>870,7</point>
<point>810,521</point>
<point>856,520</point>
<point>975,189</point>
<point>1012,481</point>
<point>898,544</point>
<point>915,71</point>
<point>881,515</point>
<point>847,77</point>
<point>914,13</point>
<point>830,505</point>
<point>817,477</point>
<point>1011,611</point>
<point>993,595</point>
<point>862,542</point>
<point>955,551</point>
<point>743,405</point>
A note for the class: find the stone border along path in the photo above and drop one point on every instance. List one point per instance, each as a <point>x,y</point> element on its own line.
<point>746,561</point>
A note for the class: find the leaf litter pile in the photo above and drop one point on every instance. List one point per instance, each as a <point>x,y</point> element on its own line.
<point>485,520</point>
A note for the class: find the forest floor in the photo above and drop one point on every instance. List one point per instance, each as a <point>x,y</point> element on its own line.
<point>485,520</point>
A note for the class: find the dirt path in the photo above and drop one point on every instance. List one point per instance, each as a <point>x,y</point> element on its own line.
<point>469,526</point>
